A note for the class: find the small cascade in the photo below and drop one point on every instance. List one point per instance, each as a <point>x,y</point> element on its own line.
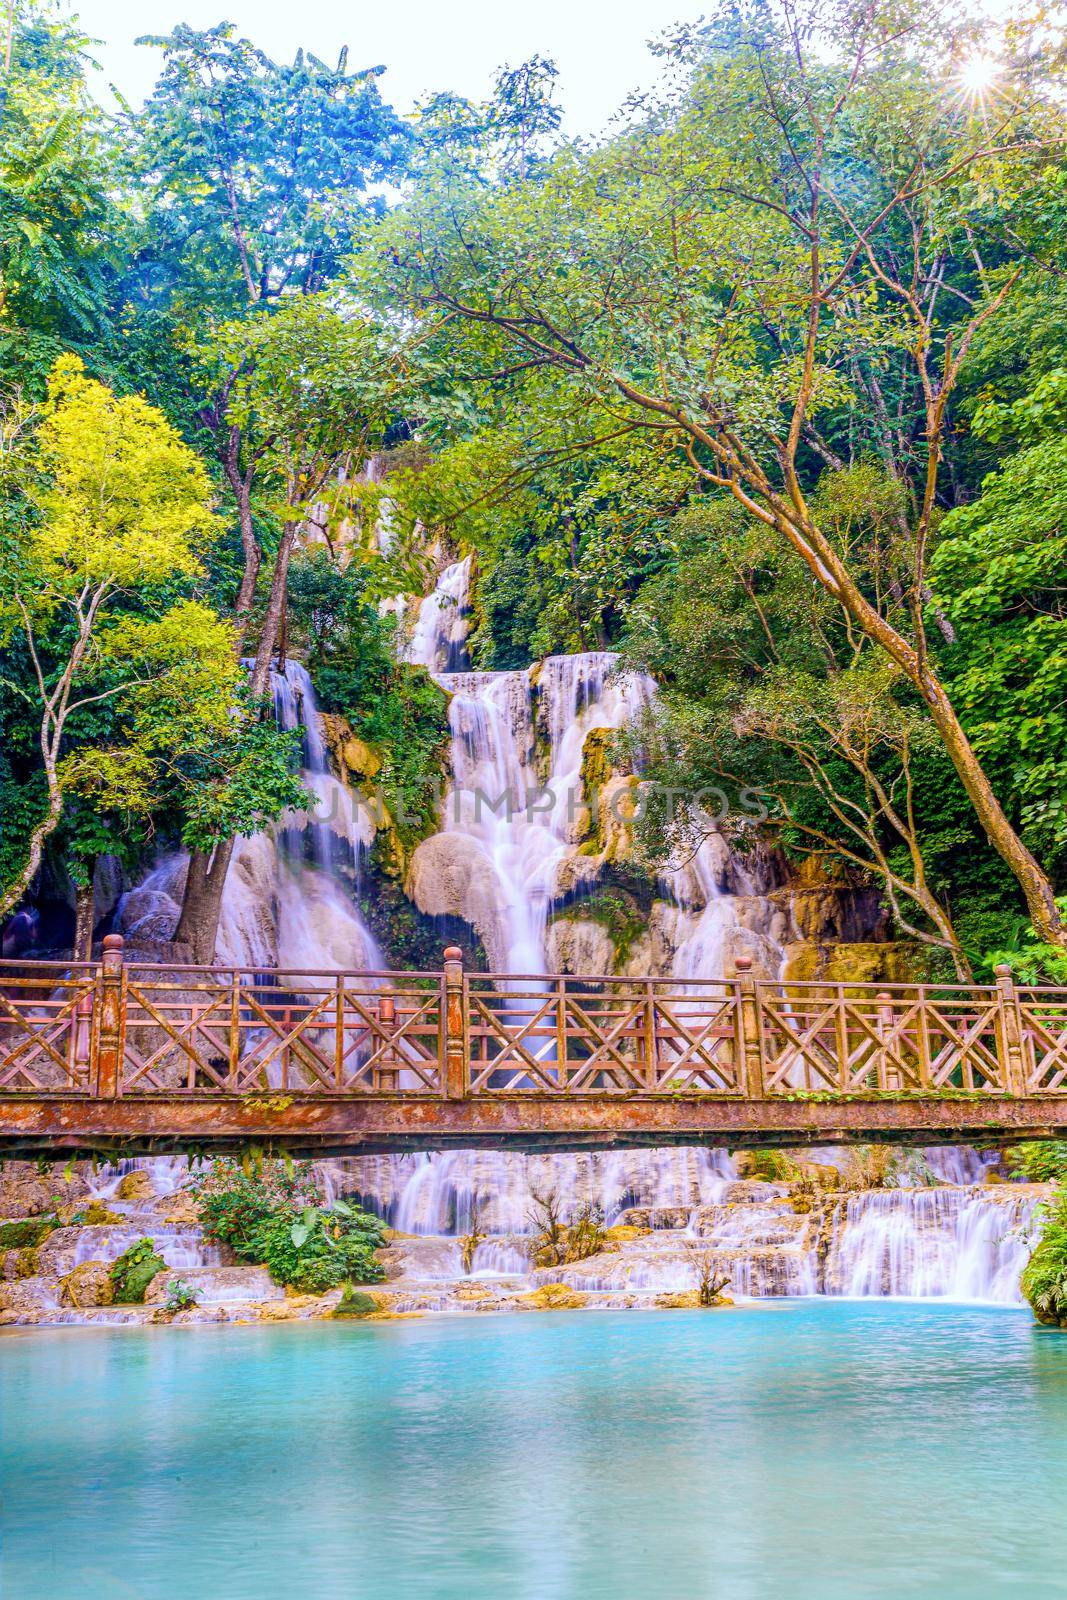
<point>286,902</point>
<point>937,1243</point>
<point>437,1194</point>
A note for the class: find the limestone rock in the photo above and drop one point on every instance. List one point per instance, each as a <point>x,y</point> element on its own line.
<point>553,1297</point>
<point>217,1285</point>
<point>56,1256</point>
<point>451,875</point>
<point>136,1185</point>
<point>25,1192</point>
<point>88,1284</point>
<point>180,1209</point>
<point>575,945</point>
<point>29,1301</point>
<point>352,756</point>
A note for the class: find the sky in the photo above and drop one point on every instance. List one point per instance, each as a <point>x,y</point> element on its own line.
<point>600,46</point>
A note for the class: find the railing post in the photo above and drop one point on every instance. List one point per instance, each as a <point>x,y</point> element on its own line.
<point>455,1026</point>
<point>1009,1034</point>
<point>749,1029</point>
<point>80,1053</point>
<point>111,1035</point>
<point>386,1077</point>
<point>884,1076</point>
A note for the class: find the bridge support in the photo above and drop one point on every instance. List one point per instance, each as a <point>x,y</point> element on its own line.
<point>456,1076</point>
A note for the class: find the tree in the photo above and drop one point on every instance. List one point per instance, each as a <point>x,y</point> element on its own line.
<point>998,572</point>
<point>321,383</point>
<point>57,212</point>
<point>823,186</point>
<point>263,176</point>
<point>768,690</point>
<point>115,507</point>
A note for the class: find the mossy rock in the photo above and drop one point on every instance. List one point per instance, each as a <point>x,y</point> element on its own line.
<point>136,1185</point>
<point>134,1270</point>
<point>27,1262</point>
<point>554,1297</point>
<point>27,1231</point>
<point>354,1303</point>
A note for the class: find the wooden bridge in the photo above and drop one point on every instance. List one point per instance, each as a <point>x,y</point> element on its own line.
<point>121,1056</point>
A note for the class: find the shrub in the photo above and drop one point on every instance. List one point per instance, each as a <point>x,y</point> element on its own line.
<point>555,1243</point>
<point>773,1166</point>
<point>268,1214</point>
<point>1043,1161</point>
<point>180,1296</point>
<point>354,1304</point>
<point>1044,1279</point>
<point>134,1270</point>
<point>236,1199</point>
<point>315,1250</point>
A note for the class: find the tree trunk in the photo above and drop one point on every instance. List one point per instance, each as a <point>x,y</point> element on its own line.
<point>198,922</point>
<point>84,917</point>
<point>241,484</point>
<point>1033,881</point>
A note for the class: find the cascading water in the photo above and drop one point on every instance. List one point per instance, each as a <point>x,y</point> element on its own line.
<point>508,851</point>
<point>286,903</point>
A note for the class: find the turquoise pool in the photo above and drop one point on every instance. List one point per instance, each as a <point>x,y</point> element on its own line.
<point>792,1451</point>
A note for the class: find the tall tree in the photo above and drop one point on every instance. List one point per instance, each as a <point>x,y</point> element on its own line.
<point>263,175</point>
<point>57,209</point>
<point>826,184</point>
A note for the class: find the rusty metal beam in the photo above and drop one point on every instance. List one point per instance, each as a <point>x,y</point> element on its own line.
<point>55,1125</point>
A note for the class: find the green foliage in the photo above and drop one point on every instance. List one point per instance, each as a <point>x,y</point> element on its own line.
<point>1044,1279</point>
<point>1043,1161</point>
<point>180,1296</point>
<point>998,572</point>
<point>394,707</point>
<point>267,169</point>
<point>1030,959</point>
<point>235,1198</point>
<point>314,1250</point>
<point>134,1270</point>
<point>27,1231</point>
<point>58,211</point>
<point>271,1213</point>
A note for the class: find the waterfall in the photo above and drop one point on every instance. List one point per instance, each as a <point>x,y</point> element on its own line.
<point>515,841</point>
<point>285,903</point>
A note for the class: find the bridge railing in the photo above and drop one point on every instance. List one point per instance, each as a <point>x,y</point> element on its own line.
<point>117,1029</point>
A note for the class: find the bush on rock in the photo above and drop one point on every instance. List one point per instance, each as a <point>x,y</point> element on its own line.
<point>1044,1279</point>
<point>134,1270</point>
<point>272,1214</point>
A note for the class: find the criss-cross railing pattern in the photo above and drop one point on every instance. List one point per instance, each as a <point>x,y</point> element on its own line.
<point>261,1031</point>
<point>46,1027</point>
<point>853,1039</point>
<point>1043,1030</point>
<point>124,1030</point>
<point>600,1035</point>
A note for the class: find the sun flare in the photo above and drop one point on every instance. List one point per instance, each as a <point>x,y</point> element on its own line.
<point>978,76</point>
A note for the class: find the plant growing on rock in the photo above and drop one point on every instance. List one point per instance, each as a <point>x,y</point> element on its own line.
<point>180,1297</point>
<point>1044,1279</point>
<point>555,1242</point>
<point>315,1250</point>
<point>271,1213</point>
<point>236,1198</point>
<point>710,1283</point>
<point>470,1241</point>
<point>1044,1161</point>
<point>134,1270</point>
